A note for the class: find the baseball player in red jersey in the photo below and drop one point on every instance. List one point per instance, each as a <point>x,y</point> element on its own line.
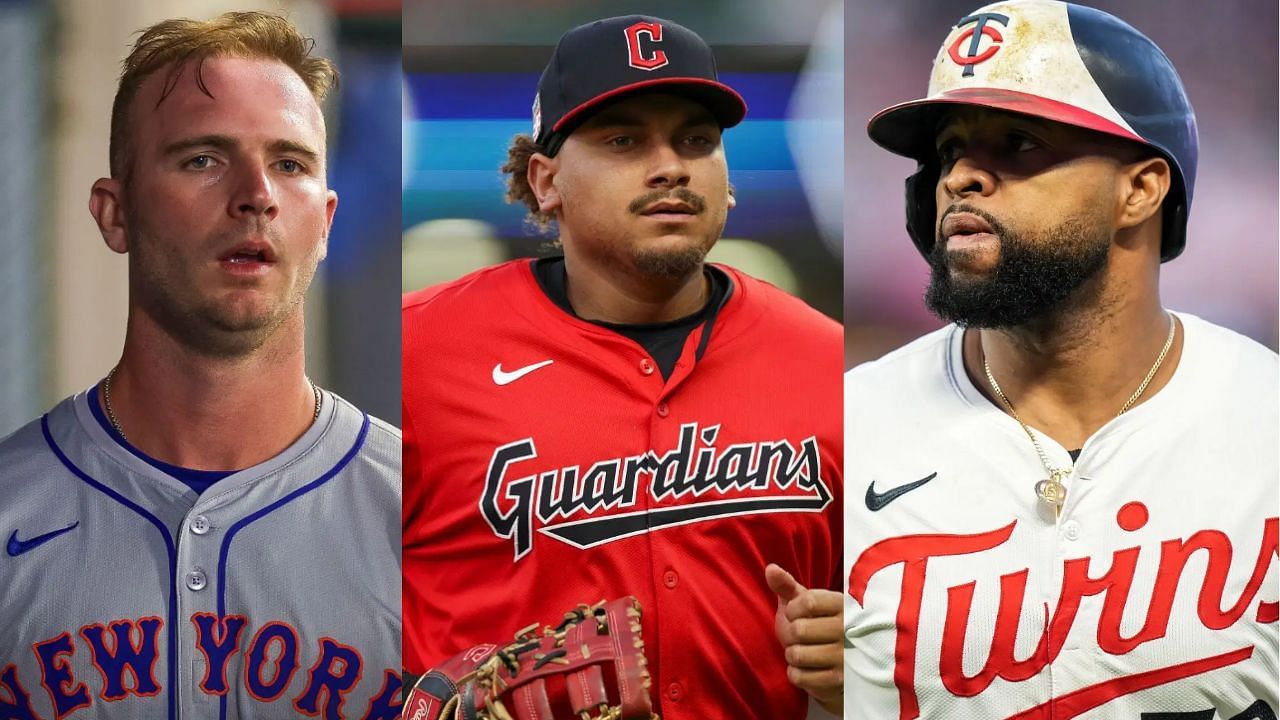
<point>1067,499</point>
<point>626,418</point>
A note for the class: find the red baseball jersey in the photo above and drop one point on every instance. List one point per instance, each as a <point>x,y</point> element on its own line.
<point>547,463</point>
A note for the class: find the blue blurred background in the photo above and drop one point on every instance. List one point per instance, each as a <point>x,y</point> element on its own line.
<point>471,70</point>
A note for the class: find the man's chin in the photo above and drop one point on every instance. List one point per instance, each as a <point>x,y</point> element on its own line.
<point>669,262</point>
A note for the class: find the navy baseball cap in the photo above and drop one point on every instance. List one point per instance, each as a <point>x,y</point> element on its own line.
<point>607,60</point>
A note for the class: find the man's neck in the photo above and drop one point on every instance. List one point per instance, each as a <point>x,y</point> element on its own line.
<point>621,298</point>
<point>1069,374</point>
<point>207,413</point>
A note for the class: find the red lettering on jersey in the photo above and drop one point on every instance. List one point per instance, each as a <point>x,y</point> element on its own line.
<point>914,552</point>
<point>640,59</point>
<point>65,693</point>
<point>15,701</point>
<point>116,655</point>
<point>1077,583</point>
<point>1075,704</point>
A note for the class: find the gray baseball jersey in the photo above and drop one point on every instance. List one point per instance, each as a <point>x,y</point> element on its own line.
<point>273,594</point>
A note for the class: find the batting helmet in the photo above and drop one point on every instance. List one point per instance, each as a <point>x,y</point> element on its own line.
<point>1057,61</point>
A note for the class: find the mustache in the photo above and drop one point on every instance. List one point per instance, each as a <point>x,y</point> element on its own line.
<point>997,228</point>
<point>684,195</point>
<point>229,239</point>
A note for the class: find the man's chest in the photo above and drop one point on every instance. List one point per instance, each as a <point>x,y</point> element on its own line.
<point>971,593</point>
<point>140,603</point>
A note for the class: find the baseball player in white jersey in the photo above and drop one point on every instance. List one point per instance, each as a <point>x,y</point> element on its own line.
<point>1065,502</point>
<point>206,534</point>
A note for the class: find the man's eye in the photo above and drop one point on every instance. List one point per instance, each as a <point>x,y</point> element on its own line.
<point>949,151</point>
<point>200,162</point>
<point>621,141</point>
<point>290,166</point>
<point>1023,143</point>
<point>699,141</point>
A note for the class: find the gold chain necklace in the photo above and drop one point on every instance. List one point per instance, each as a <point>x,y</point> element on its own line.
<point>1051,490</point>
<point>115,423</point>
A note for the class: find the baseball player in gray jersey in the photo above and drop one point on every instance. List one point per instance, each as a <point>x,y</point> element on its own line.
<point>205,533</point>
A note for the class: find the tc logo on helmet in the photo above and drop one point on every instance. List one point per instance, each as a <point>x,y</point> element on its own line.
<point>641,60</point>
<point>974,36</point>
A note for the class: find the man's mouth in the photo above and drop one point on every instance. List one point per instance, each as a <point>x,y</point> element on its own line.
<point>670,211</point>
<point>252,256</point>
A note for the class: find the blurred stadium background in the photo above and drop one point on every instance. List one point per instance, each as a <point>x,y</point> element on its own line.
<point>1226,53</point>
<point>471,70</point>
<point>63,293</point>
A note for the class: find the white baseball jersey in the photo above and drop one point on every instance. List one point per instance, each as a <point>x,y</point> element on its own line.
<point>274,594</point>
<point>1152,597</point>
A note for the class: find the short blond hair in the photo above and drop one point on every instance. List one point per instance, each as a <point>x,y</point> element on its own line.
<point>233,34</point>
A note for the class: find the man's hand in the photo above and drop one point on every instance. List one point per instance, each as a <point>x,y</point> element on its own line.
<point>810,626</point>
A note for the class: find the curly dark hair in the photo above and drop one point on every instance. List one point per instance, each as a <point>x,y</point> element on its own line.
<point>516,168</point>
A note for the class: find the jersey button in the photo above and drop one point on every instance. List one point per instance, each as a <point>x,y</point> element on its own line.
<point>196,580</point>
<point>1071,530</point>
<point>646,366</point>
<point>200,525</point>
<point>674,692</point>
<point>670,579</point>
<point>663,410</point>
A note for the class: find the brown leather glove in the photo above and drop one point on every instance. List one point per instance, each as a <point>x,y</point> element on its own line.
<point>488,682</point>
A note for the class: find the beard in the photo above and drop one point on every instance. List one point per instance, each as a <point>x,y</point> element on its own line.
<point>166,285</point>
<point>1035,275</point>
<point>671,263</point>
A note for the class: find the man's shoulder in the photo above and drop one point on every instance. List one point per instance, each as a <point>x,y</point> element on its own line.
<point>784,310</point>
<point>27,454</point>
<point>921,359</point>
<point>381,446</point>
<point>1230,362</point>
<point>471,289</point>
<point>23,442</point>
<point>1225,341</point>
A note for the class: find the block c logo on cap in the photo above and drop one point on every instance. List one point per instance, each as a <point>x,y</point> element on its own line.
<point>974,36</point>
<point>641,60</point>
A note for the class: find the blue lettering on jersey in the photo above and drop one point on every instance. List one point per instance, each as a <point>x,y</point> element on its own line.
<point>218,639</point>
<point>15,701</point>
<point>125,653</point>
<point>116,655</point>
<point>285,664</point>
<point>334,674</point>
<point>55,675</point>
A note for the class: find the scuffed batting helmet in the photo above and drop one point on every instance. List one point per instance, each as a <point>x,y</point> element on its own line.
<point>1057,61</point>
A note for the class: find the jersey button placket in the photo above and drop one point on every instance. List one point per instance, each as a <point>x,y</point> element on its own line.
<point>197,580</point>
<point>675,692</point>
<point>200,525</point>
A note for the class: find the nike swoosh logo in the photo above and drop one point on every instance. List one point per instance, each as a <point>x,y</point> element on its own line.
<point>501,377</point>
<point>16,547</point>
<point>876,501</point>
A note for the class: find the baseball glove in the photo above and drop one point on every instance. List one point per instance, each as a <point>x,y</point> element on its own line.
<point>488,682</point>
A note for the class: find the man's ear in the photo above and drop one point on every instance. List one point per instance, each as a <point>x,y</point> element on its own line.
<point>541,176</point>
<point>106,204</point>
<point>1143,187</point>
